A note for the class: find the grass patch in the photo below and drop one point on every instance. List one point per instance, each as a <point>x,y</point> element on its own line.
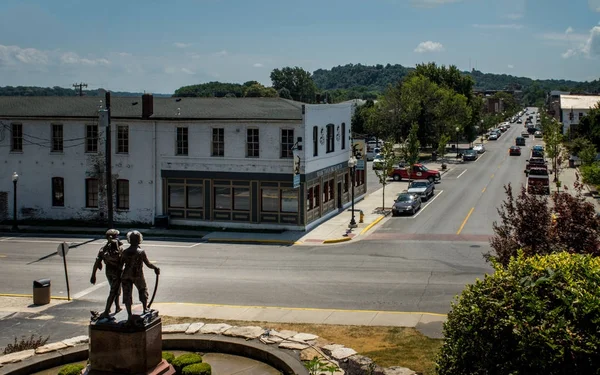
<point>387,346</point>
<point>25,343</point>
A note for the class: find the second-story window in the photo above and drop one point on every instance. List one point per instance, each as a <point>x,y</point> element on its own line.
<point>57,138</point>
<point>91,138</point>
<point>16,138</point>
<point>122,139</point>
<point>343,135</point>
<point>315,141</point>
<point>330,138</point>
<point>218,142</point>
<point>252,143</point>
<point>182,141</point>
<point>287,142</point>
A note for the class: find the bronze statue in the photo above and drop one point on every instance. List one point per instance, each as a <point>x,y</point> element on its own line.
<point>111,255</point>
<point>133,259</point>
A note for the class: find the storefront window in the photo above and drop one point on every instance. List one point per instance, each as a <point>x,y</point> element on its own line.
<point>176,196</point>
<point>195,197</point>
<point>241,199</point>
<point>317,196</point>
<point>309,199</point>
<point>289,200</point>
<point>222,198</point>
<point>270,200</point>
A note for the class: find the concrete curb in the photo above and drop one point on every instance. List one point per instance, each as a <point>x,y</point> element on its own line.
<point>253,241</point>
<point>31,296</point>
<point>337,240</point>
<point>372,224</point>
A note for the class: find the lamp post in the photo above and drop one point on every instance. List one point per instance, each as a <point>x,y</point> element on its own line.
<point>15,178</point>
<point>457,129</point>
<point>352,165</point>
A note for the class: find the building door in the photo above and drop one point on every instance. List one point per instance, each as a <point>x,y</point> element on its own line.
<point>339,195</point>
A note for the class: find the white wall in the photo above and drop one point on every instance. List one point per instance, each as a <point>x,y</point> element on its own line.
<point>566,120</point>
<point>36,166</point>
<point>320,115</point>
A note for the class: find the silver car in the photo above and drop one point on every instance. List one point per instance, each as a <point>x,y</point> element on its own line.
<point>406,203</point>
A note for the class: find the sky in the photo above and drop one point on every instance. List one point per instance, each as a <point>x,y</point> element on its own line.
<point>158,46</point>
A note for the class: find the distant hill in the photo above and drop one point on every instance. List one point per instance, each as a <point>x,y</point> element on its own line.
<point>61,91</point>
<point>377,77</point>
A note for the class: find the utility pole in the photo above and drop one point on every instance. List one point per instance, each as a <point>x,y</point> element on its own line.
<point>109,188</point>
<point>80,86</point>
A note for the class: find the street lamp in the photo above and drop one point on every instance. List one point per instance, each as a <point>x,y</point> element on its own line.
<point>352,165</point>
<point>15,178</point>
<point>457,129</point>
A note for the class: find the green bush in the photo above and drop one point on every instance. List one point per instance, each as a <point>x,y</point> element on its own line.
<point>71,370</point>
<point>197,369</point>
<point>539,315</point>
<point>168,356</point>
<point>185,360</point>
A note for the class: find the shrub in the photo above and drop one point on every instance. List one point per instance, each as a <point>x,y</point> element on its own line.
<point>185,360</point>
<point>539,315</point>
<point>168,356</point>
<point>25,344</point>
<point>197,369</point>
<point>74,369</point>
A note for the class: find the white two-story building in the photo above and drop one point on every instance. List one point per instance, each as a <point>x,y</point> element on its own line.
<point>221,162</point>
<point>574,107</point>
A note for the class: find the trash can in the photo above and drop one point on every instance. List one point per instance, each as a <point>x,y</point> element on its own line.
<point>161,221</point>
<point>434,156</point>
<point>41,292</point>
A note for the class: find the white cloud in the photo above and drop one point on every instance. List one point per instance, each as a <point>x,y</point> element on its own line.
<point>181,45</point>
<point>594,5</point>
<point>511,26</point>
<point>188,71</point>
<point>258,65</point>
<point>514,16</point>
<point>124,54</point>
<point>510,66</point>
<point>569,30</point>
<point>589,48</point>
<point>567,37</point>
<point>11,55</point>
<point>429,46</point>
<point>221,53</point>
<point>73,58</point>
<point>432,3</point>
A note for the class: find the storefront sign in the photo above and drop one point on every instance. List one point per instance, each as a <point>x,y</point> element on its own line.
<point>296,169</point>
<point>359,150</point>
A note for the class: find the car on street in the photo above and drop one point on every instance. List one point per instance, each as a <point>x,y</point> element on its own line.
<point>378,162</point>
<point>538,148</point>
<point>537,153</point>
<point>479,148</point>
<point>469,155</point>
<point>493,137</point>
<point>525,134</point>
<point>538,184</point>
<point>519,121</point>
<point>371,153</point>
<point>418,172</point>
<point>514,151</point>
<point>422,189</point>
<point>520,141</point>
<point>406,203</point>
<point>535,162</point>
<point>538,134</point>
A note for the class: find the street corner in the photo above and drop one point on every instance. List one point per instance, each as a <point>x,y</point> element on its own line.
<point>23,303</point>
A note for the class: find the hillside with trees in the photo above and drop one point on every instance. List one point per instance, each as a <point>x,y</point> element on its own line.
<point>61,91</point>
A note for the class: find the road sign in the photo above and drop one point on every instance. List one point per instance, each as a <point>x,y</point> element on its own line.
<point>296,181</point>
<point>63,249</point>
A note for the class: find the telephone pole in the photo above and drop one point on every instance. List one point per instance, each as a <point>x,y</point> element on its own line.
<point>109,187</point>
<point>80,86</point>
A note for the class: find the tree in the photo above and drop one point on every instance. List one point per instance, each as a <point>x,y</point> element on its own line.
<point>385,119</point>
<point>298,81</point>
<point>588,154</point>
<point>553,138</point>
<point>256,90</point>
<point>284,93</point>
<point>360,118</point>
<point>531,224</point>
<point>411,148</point>
<point>387,166</point>
<point>589,126</point>
<point>590,174</point>
<point>444,139</point>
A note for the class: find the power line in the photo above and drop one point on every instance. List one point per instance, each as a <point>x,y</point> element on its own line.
<point>81,85</point>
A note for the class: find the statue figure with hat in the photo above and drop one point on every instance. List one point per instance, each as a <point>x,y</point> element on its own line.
<point>110,254</point>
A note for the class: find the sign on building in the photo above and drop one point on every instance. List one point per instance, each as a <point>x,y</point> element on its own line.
<point>296,170</point>
<point>359,149</point>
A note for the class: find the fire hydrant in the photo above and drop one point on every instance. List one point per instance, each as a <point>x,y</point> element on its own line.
<point>361,217</point>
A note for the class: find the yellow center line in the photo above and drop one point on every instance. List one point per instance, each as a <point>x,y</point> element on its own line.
<point>465,221</point>
<point>483,191</point>
<point>492,176</point>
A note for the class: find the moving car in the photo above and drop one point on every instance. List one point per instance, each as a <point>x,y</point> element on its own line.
<point>422,189</point>
<point>538,134</point>
<point>525,134</point>
<point>479,148</point>
<point>538,184</point>
<point>493,137</point>
<point>418,172</point>
<point>520,141</point>
<point>514,151</point>
<point>537,153</point>
<point>469,155</point>
<point>406,203</point>
<point>535,162</point>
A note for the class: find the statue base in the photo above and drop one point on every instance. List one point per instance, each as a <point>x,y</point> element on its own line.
<point>119,346</point>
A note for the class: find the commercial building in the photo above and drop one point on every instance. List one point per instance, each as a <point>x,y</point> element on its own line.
<point>221,162</point>
<point>574,107</point>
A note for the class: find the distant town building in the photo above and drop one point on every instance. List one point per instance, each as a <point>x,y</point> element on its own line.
<point>572,108</point>
<point>219,162</point>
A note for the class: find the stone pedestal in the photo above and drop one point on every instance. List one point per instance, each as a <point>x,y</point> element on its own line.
<point>119,347</point>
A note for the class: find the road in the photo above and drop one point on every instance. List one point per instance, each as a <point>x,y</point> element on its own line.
<point>407,264</point>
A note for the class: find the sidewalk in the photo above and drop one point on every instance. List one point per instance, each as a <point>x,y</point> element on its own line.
<point>334,230</point>
<point>568,177</point>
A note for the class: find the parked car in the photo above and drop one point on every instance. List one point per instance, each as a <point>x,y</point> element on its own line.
<point>479,148</point>
<point>538,134</point>
<point>422,189</point>
<point>371,153</point>
<point>525,134</point>
<point>537,153</point>
<point>493,137</point>
<point>535,162</point>
<point>514,151</point>
<point>469,155</point>
<point>378,162</point>
<point>418,172</point>
<point>538,184</point>
<point>406,203</point>
<point>520,141</point>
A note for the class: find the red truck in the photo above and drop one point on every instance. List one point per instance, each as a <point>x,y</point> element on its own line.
<point>419,172</point>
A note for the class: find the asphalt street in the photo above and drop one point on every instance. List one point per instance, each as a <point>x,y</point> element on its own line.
<point>407,264</point>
